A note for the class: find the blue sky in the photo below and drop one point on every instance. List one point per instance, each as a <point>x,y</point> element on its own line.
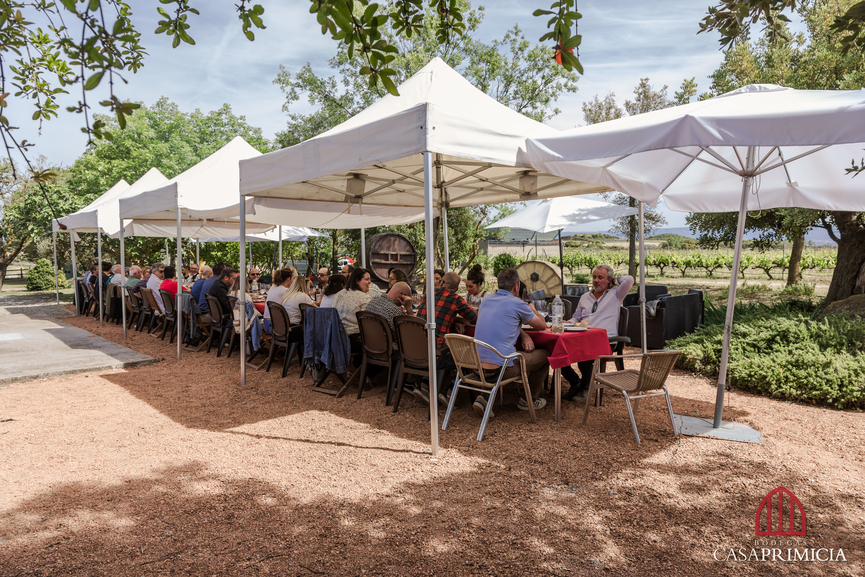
<point>623,41</point>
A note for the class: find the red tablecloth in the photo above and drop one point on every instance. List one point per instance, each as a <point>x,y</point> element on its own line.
<point>259,307</point>
<point>572,347</point>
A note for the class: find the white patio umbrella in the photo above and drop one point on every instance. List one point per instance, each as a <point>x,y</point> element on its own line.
<point>762,146</point>
<point>441,143</point>
<point>561,214</point>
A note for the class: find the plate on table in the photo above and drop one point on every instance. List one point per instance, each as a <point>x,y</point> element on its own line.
<point>576,329</point>
<point>528,328</point>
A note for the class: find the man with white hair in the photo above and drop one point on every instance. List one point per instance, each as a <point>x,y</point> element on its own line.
<point>135,276</point>
<point>117,276</point>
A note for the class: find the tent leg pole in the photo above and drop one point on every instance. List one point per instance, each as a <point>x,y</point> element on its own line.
<point>280,246</point>
<point>447,252</point>
<point>430,310</point>
<point>56,285</point>
<point>99,272</point>
<point>242,293</point>
<point>642,278</point>
<point>198,252</point>
<point>561,260</point>
<point>123,270</point>
<point>363,247</point>
<point>178,298</point>
<point>731,300</point>
<point>74,274</point>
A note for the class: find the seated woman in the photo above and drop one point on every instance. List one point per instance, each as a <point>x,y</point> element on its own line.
<point>395,275</point>
<point>281,281</point>
<point>474,283</point>
<point>335,285</point>
<point>348,302</point>
<point>294,296</point>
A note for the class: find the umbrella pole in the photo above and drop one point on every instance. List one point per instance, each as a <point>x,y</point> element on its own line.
<point>731,299</point>
<point>447,252</point>
<point>561,259</point>
<point>56,285</point>
<point>280,246</point>
<point>122,270</point>
<point>242,293</point>
<point>363,247</point>
<point>178,313</point>
<point>198,252</point>
<point>642,279</point>
<point>430,308</point>
<point>74,274</point>
<point>99,271</point>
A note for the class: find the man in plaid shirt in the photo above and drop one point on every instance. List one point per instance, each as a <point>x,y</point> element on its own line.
<point>448,306</point>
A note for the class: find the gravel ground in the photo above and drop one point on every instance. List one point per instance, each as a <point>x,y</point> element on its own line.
<point>174,469</point>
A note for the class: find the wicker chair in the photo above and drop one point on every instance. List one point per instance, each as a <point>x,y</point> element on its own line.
<point>170,317</point>
<point>471,376</point>
<point>377,343</point>
<point>219,323</point>
<point>655,367</point>
<point>155,311</point>
<point>283,334</point>
<point>133,305</point>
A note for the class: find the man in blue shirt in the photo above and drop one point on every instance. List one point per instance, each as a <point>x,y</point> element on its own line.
<point>205,290</point>
<point>198,285</point>
<point>499,325</point>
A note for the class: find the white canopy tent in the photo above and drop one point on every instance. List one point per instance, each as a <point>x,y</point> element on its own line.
<point>201,201</point>
<point>441,143</point>
<point>759,147</point>
<point>561,214</point>
<point>278,234</point>
<point>101,216</point>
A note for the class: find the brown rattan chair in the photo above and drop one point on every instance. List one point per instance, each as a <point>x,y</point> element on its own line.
<point>155,311</point>
<point>634,384</point>
<point>283,335</point>
<point>377,344</point>
<point>471,376</point>
<point>89,301</point>
<point>133,305</point>
<point>170,316</point>
<point>219,323</point>
<point>411,342</point>
<point>145,312</point>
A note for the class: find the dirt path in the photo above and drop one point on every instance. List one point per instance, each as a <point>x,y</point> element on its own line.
<point>173,468</point>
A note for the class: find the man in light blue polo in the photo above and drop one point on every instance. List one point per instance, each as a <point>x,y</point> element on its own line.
<point>499,325</point>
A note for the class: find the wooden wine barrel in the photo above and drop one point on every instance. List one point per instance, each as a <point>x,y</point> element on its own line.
<point>388,250</point>
<point>540,274</point>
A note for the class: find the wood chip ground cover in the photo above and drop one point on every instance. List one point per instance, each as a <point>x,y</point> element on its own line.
<point>174,469</point>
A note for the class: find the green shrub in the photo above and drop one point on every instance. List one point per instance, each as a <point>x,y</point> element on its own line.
<point>779,352</point>
<point>753,289</point>
<point>581,278</point>
<point>502,261</point>
<point>40,277</point>
<point>799,290</point>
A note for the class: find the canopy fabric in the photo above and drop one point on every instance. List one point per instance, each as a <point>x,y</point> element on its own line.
<point>376,157</point>
<point>565,213</point>
<point>331,214</point>
<point>208,190</point>
<point>693,156</point>
<point>289,233</point>
<point>190,228</point>
<point>87,219</point>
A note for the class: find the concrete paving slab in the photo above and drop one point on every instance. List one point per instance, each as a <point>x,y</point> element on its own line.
<point>34,345</point>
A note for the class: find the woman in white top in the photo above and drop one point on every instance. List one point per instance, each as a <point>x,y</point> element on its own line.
<point>335,285</point>
<point>353,299</point>
<point>474,283</point>
<point>296,294</point>
<point>281,281</point>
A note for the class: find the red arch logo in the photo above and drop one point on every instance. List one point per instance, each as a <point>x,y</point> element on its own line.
<point>775,523</point>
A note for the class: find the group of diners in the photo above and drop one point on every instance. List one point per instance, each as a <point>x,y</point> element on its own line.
<point>498,317</point>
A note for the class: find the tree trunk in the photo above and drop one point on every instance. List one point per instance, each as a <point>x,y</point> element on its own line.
<point>794,273</point>
<point>849,276</point>
<point>3,267</point>
<point>334,256</point>
<point>633,226</point>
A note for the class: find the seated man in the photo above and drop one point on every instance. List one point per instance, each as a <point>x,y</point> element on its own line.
<point>450,308</point>
<point>392,304</point>
<point>198,285</point>
<point>205,290</point>
<point>135,276</point>
<point>157,275</point>
<point>499,325</point>
<point>169,282</point>
<point>117,275</point>
<point>600,306</point>
<point>220,288</point>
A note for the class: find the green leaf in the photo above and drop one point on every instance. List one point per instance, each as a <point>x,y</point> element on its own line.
<point>249,35</point>
<point>541,12</point>
<point>94,81</point>
<point>389,85</point>
<point>69,4</point>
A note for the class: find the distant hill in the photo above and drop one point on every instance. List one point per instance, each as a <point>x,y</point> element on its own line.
<point>817,236</point>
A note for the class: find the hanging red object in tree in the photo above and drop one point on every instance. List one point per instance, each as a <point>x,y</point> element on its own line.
<point>559,55</point>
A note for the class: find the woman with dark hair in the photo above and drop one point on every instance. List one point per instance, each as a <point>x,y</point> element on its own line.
<point>281,281</point>
<point>474,286</point>
<point>353,299</point>
<point>169,282</point>
<point>335,285</point>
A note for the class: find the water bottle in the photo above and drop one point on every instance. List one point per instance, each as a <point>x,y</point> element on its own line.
<point>254,287</point>
<point>558,312</point>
